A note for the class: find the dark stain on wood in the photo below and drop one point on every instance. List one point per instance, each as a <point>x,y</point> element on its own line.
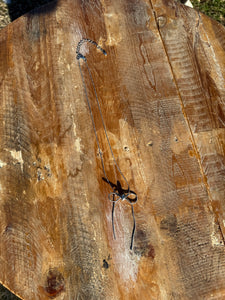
<point>151,252</point>
<point>169,223</point>
<point>54,283</point>
<point>142,246</point>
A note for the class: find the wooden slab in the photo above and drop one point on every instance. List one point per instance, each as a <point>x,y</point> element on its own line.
<point>161,88</point>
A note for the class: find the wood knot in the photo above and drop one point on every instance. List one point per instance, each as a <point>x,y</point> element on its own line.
<point>150,144</point>
<point>105,264</point>
<point>54,283</point>
<point>126,148</point>
<point>8,229</point>
<point>161,20</point>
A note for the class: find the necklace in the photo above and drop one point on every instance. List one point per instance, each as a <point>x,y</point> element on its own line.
<point>118,193</point>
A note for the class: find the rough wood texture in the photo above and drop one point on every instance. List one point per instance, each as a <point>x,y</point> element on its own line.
<point>162,93</point>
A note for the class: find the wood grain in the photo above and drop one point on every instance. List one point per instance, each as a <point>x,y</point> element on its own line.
<point>161,89</point>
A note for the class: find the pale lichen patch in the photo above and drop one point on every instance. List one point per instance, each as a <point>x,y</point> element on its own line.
<point>216,239</point>
<point>113,28</point>
<point>17,155</point>
<point>2,164</point>
<point>78,145</point>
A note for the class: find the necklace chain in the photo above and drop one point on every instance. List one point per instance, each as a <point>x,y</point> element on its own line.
<point>118,192</point>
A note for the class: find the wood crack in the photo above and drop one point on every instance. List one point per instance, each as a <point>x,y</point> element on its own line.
<point>204,180</point>
<point>221,232</point>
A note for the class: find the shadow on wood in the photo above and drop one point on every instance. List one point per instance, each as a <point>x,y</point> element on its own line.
<point>6,294</point>
<point>18,8</point>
